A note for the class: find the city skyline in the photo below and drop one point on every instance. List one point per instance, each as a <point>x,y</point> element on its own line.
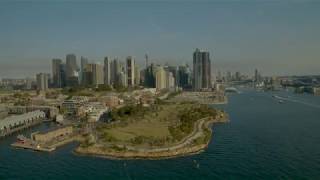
<point>277,38</point>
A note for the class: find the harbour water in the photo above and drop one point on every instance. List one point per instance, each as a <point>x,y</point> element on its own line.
<point>264,139</point>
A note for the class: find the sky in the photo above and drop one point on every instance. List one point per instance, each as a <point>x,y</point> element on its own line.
<point>277,37</point>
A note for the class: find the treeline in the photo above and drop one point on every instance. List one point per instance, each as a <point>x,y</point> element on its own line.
<point>187,119</point>
<point>127,111</point>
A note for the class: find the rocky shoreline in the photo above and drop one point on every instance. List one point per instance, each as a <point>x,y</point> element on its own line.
<point>140,155</point>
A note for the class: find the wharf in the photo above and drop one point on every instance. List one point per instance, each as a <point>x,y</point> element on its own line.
<point>29,145</point>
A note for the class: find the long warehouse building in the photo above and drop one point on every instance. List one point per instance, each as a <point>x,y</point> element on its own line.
<point>12,124</point>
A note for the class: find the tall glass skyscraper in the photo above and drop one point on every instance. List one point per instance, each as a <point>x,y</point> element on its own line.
<point>56,75</point>
<point>201,70</point>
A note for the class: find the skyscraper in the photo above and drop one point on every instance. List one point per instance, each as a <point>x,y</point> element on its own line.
<point>42,81</point>
<point>174,71</point>
<point>122,79</point>
<point>201,70</point>
<point>107,71</point>
<point>63,75</point>
<point>88,75</point>
<point>136,75</point>
<point>71,62</point>
<point>170,80</point>
<point>115,70</point>
<point>97,74</point>
<point>256,75</point>
<point>130,72</point>
<point>147,60</point>
<point>149,76</point>
<point>56,76</point>
<point>185,79</point>
<point>161,78</point>
<point>71,70</point>
<point>84,62</point>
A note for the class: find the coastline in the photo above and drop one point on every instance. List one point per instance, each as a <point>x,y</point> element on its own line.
<point>158,153</point>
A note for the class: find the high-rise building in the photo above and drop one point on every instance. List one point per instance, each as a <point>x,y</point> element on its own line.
<point>42,81</point>
<point>84,62</point>
<point>98,74</point>
<point>237,76</point>
<point>147,60</point>
<point>170,81</point>
<point>115,70</point>
<point>63,75</point>
<point>107,71</point>
<point>201,70</point>
<point>149,76</point>
<point>88,75</point>
<point>161,78</point>
<point>185,79</point>
<point>130,72</point>
<point>93,75</point>
<point>136,75</point>
<point>56,76</point>
<point>122,79</point>
<point>256,75</point>
<point>71,65</point>
<point>72,70</point>
<point>175,72</point>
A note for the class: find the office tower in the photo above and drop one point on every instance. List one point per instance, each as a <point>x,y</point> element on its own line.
<point>142,76</point>
<point>185,78</point>
<point>174,70</point>
<point>88,75</point>
<point>147,60</point>
<point>71,65</point>
<point>201,70</point>
<point>107,71</point>
<point>122,79</point>
<point>161,78</point>
<point>98,75</point>
<point>237,76</point>
<point>149,77</point>
<point>136,75</point>
<point>72,70</point>
<point>256,75</point>
<point>50,81</point>
<point>42,81</point>
<point>170,81</point>
<point>130,72</point>
<point>56,76</point>
<point>115,70</point>
<point>84,62</point>
<point>63,75</point>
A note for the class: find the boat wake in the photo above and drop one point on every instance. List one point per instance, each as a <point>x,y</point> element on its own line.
<point>297,101</point>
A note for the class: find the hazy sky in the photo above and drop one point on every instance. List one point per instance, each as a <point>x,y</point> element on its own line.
<point>278,37</point>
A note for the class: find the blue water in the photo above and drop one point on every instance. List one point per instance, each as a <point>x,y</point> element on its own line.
<point>264,140</point>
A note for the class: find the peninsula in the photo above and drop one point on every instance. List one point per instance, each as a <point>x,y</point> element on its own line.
<point>163,130</point>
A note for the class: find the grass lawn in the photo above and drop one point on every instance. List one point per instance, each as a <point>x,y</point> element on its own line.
<point>143,128</point>
<point>154,124</point>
